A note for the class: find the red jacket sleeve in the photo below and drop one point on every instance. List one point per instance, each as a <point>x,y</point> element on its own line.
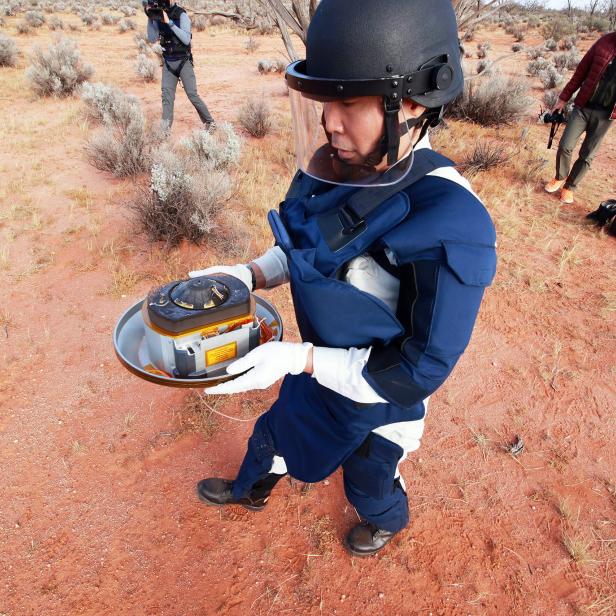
<point>581,72</point>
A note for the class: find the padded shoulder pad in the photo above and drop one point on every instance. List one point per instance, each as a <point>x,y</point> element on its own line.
<point>441,211</point>
<point>473,264</point>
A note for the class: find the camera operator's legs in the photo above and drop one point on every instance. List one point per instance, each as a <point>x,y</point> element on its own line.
<point>189,81</point>
<point>598,123</point>
<point>169,86</point>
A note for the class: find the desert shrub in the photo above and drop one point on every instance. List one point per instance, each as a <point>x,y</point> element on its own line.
<point>535,66</point>
<point>550,44</point>
<point>482,49</point>
<point>271,66</point>
<point>519,33</point>
<point>182,201</point>
<point>533,21</point>
<point>89,19</point>
<point>573,59</point>
<point>485,155</point>
<point>485,66</point>
<point>35,19</point>
<point>597,23</point>
<point>491,102</point>
<point>550,98</point>
<point>157,49</point>
<point>142,45</point>
<point>517,47</point>
<point>534,53</point>
<point>108,19</point>
<point>126,24</point>
<point>23,28</point>
<point>568,42</point>
<point>251,44</point>
<point>217,149</point>
<point>199,23</point>
<point>550,77</point>
<point>469,35</point>
<point>127,11</point>
<point>557,28</point>
<point>58,70</point>
<point>145,68</point>
<point>255,117</point>
<point>560,61</point>
<point>124,146</point>
<point>264,25</point>
<point>218,20</point>
<point>107,104</point>
<point>8,51</point>
<point>55,23</point>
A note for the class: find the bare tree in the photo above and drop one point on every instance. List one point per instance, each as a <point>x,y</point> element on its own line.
<point>293,16</point>
<point>609,10</point>
<point>591,7</point>
<point>569,9</point>
<point>470,13</point>
<point>293,20</point>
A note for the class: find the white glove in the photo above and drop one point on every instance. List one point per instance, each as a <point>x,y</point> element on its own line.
<point>269,362</point>
<point>239,271</point>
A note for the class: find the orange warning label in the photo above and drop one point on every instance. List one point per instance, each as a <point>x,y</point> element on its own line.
<point>221,353</point>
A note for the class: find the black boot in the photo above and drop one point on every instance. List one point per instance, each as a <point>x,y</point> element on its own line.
<point>366,539</point>
<point>215,491</point>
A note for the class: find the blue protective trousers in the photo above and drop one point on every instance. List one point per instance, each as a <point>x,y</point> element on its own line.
<point>369,473</point>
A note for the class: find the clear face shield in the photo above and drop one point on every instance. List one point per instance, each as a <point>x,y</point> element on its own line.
<point>341,141</point>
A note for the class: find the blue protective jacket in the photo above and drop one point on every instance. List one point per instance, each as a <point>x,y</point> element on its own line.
<point>442,244</point>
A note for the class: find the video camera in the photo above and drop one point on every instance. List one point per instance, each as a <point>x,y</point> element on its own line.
<point>555,119</point>
<point>154,9</point>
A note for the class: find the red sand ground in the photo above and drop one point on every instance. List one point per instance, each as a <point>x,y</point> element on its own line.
<point>97,507</point>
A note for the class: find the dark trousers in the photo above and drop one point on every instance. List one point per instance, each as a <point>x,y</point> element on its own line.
<point>595,124</point>
<point>170,84</point>
<point>370,482</point>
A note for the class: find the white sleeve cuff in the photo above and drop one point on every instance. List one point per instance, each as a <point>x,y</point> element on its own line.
<point>341,371</point>
<point>274,266</point>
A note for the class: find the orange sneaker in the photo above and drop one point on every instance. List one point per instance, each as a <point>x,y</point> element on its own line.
<point>553,185</point>
<point>566,196</point>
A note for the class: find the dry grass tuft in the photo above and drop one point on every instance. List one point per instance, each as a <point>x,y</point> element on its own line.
<point>256,117</point>
<point>323,534</point>
<point>485,155</point>
<point>492,102</point>
<point>195,415</point>
<point>578,548</point>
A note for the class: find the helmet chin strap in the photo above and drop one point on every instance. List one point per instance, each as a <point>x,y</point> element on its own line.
<point>394,129</point>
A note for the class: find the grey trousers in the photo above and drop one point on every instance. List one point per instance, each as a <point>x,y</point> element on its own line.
<point>596,124</point>
<point>189,81</point>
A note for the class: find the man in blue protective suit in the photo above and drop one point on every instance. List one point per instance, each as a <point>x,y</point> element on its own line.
<point>387,251</point>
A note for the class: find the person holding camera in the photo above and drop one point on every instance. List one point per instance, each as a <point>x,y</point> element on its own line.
<point>593,112</point>
<point>170,24</point>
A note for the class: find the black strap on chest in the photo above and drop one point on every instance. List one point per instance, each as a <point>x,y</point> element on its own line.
<point>340,226</point>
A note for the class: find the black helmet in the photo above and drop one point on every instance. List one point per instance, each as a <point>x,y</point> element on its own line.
<point>396,49</point>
